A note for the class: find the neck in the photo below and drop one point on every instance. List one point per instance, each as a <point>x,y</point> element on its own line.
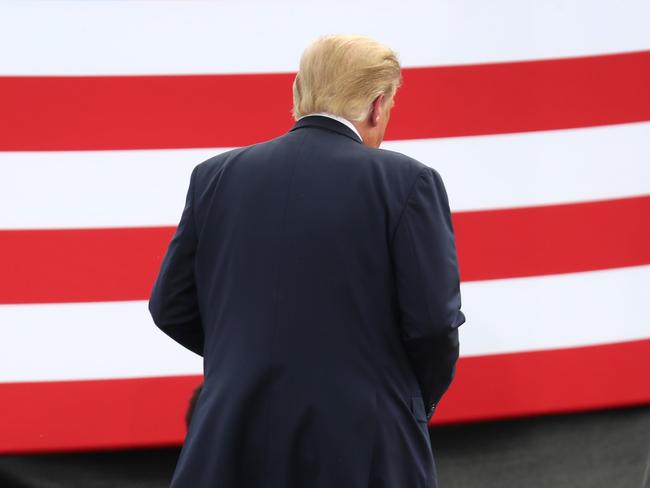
<point>368,133</point>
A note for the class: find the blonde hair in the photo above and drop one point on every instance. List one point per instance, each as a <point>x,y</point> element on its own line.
<point>342,75</point>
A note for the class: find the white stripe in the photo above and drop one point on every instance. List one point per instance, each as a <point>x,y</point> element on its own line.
<point>538,168</point>
<point>135,188</point>
<point>87,341</point>
<point>95,188</point>
<point>119,340</point>
<point>147,37</point>
<point>551,312</point>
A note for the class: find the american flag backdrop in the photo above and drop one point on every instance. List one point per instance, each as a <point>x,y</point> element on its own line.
<point>536,114</point>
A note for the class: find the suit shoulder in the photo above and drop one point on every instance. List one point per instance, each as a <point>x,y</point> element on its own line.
<point>218,161</point>
<point>401,159</point>
<point>399,165</point>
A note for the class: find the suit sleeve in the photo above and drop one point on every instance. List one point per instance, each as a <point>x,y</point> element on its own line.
<point>174,303</point>
<point>428,286</point>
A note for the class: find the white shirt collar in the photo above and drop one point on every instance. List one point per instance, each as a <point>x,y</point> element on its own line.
<point>345,122</point>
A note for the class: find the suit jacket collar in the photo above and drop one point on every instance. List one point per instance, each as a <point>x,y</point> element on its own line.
<point>326,123</point>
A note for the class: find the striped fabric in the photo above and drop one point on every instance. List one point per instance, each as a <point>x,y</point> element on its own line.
<point>536,114</point>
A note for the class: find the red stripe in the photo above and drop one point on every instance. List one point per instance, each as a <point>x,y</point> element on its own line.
<point>542,382</point>
<point>80,265</point>
<point>139,112</point>
<point>45,266</point>
<point>553,239</point>
<point>74,415</point>
<point>150,411</point>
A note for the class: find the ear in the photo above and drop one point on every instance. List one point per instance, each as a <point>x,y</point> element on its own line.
<point>376,110</point>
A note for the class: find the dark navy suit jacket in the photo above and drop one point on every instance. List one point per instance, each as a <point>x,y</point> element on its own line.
<point>318,279</point>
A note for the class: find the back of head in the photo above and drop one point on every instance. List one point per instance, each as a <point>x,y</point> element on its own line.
<point>342,75</point>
